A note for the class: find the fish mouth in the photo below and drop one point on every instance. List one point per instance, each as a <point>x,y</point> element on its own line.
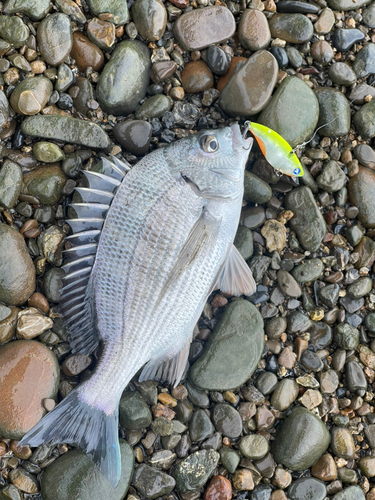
<point>239,141</point>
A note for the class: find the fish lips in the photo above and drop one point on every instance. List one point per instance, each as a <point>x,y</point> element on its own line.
<point>238,141</point>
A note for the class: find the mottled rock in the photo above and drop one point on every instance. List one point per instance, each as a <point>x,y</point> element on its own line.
<point>253,31</point>
<point>13,30</point>
<point>117,8</point>
<point>134,135</point>
<point>54,37</point>
<point>293,28</point>
<point>334,112</point>
<point>364,120</point>
<point>10,184</point>
<point>134,411</point>
<point>34,10</point>
<point>150,18</point>
<point>192,472</point>
<point>361,192</point>
<point>46,183</point>
<point>31,95</point>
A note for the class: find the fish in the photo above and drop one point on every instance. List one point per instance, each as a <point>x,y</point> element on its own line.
<point>276,150</point>
<point>149,245</point>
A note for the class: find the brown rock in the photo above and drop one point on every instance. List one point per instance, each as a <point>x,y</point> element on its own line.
<point>76,364</point>
<point>287,358</point>
<point>162,70</point>
<point>85,53</point>
<point>39,301</point>
<point>325,468</point>
<point>3,448</point>
<point>102,33</point>
<point>325,22</point>
<point>180,392</point>
<point>243,480</point>
<point>322,52</point>
<point>196,77</point>
<point>234,65</point>
<point>219,488</point>
<point>23,480</point>
<point>22,452</point>
<point>278,495</point>
<point>264,418</point>
<point>167,400</point>
<point>31,323</point>
<point>282,478</point>
<point>29,372</point>
<point>253,30</point>
<point>8,326</point>
<point>311,399</point>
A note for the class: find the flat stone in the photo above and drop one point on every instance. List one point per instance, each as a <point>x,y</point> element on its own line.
<point>307,488</point>
<point>293,28</point>
<point>23,480</point>
<point>125,78</point>
<point>364,63</point>
<point>320,335</point>
<point>300,440</point>
<point>369,16</point>
<point>342,74</point>
<point>117,8</point>
<point>218,60</point>
<point>351,493</point>
<point>334,112</point>
<point>67,129</point>
<point>347,4</point>
<point>73,475</point>
<point>361,189</point>
<point>10,184</point>
<point>162,70</point>
<point>241,325</point>
<point>344,39</point>
<point>292,98</point>
<point>134,411</point>
<point>227,420</point>
<point>365,155</point>
<point>364,120</point>
<point>325,22</point>
<point>253,31</point>
<point>310,270</point>
<point>134,136</point>
<point>13,30</point>
<point>150,18</point>
<point>199,28</point>
<point>54,37</point>
<point>307,222</point>
<point>46,183</point>
<point>250,88</point>
<point>193,472</point>
<point>154,107</point>
<point>29,373</point>
<point>360,93</point>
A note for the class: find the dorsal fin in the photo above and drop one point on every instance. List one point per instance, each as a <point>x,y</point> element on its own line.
<point>87,218</point>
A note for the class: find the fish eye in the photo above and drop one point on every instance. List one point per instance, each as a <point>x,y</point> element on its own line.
<point>296,171</point>
<point>209,143</point>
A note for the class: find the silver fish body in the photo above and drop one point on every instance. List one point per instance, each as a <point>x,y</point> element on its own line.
<point>167,240</point>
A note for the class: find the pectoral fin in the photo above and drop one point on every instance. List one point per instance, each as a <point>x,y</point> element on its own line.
<point>235,277</point>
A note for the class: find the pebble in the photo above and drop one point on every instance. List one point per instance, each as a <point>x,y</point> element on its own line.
<point>266,382</point>
<point>344,39</point>
<point>325,22</point>
<point>333,105</point>
<point>10,184</point>
<point>64,478</point>
<point>45,182</point>
<point>308,222</point>
<point>244,242</point>
<point>31,95</point>
<point>200,426</point>
<point>8,325</point>
<point>30,373</point>
<point>310,270</point>
<point>85,53</point>
<point>367,466</point>
<point>196,77</point>
<point>13,30</point>
<point>219,488</point>
<point>243,480</point>
<point>364,120</point>
<point>365,155</point>
<point>364,63</point>
<point>253,30</point>
<point>162,70</point>
<point>292,98</point>
<point>54,37</point>
<point>150,18</point>
<point>281,56</point>
<point>300,440</point>
<point>218,60</point>
<point>295,6</point>
<point>101,33</point>
<point>66,129</point>
<point>325,468</point>
<point>351,493</point>
<point>342,74</point>
<point>192,472</point>
<point>274,233</point>
<point>23,480</point>
<point>127,70</point>
<point>200,28</point>
<point>342,443</point>
<point>36,12</point>
<point>31,323</point>
<point>240,326</point>
<point>322,52</point>
<point>250,88</point>
<point>117,8</point>
<point>307,488</point>
<point>227,420</point>
<point>285,394</point>
<point>360,288</point>
<point>47,152</point>
<point>347,4</point>
<point>288,284</point>
<point>154,107</point>
<point>134,135</point>
<point>361,188</point>
<point>293,28</point>
<point>369,16</point>
<point>253,446</point>
<point>355,378</point>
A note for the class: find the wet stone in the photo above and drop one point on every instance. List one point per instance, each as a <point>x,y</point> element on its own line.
<point>365,155</point>
<point>85,94</point>
<point>361,188</point>
<point>127,70</point>
<point>253,217</point>
<point>150,18</point>
<point>35,11</point>
<point>218,60</point>
<point>342,74</point>
<point>329,294</point>
<point>295,6</point>
<point>219,488</point>
<point>46,183</point>
<point>253,31</point>
<point>66,129</point>
<point>370,322</point>
<point>293,28</point>
<point>292,98</point>
<point>308,271</point>
<point>346,336</point>
<point>334,112</point>
<point>364,63</point>
<point>200,426</point>
<point>285,394</point>
<point>239,326</point>
<point>192,472</point>
<point>320,335</point>
<point>162,426</point>
<point>64,478</point>
<point>134,135</point>
<point>134,412</point>
<point>369,16</point>
<point>307,488</point>
<point>196,77</point>
<point>342,443</point>
<point>325,468</point>
<point>244,242</point>
<point>47,152</point>
<point>347,4</point>
<point>298,322</point>
<point>364,120</point>
<point>86,53</point>
<point>325,22</point>
<point>102,33</point>
<point>281,56</point>
<point>360,288</point>
<point>322,52</point>
<point>8,324</point>
<point>344,39</point>
<point>162,70</point>
<point>351,493</point>
<point>311,361</point>
<point>199,28</point>
<point>253,446</point>
<point>13,30</point>
<point>229,459</point>
<point>10,184</point>
<point>355,378</point>
<point>118,9</point>
<point>288,284</point>
<point>53,284</point>
<point>227,420</point>
<point>31,95</point>
<point>300,440</point>
<point>266,382</point>
<point>154,107</point>
<point>55,38</point>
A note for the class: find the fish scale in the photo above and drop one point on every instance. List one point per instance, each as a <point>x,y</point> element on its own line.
<point>139,286</point>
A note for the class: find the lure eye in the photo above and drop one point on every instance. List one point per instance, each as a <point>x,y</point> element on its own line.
<point>296,171</point>
<point>209,143</point>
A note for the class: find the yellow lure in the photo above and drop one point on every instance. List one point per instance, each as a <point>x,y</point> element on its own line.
<point>276,150</point>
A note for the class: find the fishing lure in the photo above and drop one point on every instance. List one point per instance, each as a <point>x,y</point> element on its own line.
<point>276,150</point>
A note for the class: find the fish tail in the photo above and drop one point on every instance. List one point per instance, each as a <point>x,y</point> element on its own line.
<point>76,422</point>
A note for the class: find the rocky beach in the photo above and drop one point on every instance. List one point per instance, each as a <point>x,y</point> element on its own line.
<point>278,401</point>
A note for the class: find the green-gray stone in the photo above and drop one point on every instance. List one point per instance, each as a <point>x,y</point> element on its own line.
<point>10,184</point>
<point>308,271</point>
<point>293,28</point>
<point>364,120</point>
<point>124,78</point>
<point>34,10</point>
<point>369,16</point>
<point>200,426</point>
<point>233,350</point>
<point>65,78</point>
<point>347,5</point>
<point>360,288</point>
<point>266,382</point>
<point>342,74</point>
<point>351,493</point>
<point>154,107</point>
<point>342,443</point>
<point>134,411</point>
<point>370,322</point>
<point>292,98</point>
<point>31,95</point>
<point>162,426</point>
<point>364,63</point>
<point>227,420</point>
<point>334,112</point>
<point>67,129</point>
<point>308,221</point>
<point>150,18</point>
<point>55,39</point>
<point>151,483</point>
<point>355,378</point>
<point>361,193</point>
<point>48,152</point>
<point>244,242</point>
<point>73,476</point>
<point>307,488</point>
<point>85,94</point>
<point>329,294</point>
<point>332,178</point>
<point>354,235</point>
<point>118,8</point>
<point>10,492</point>
<point>253,446</point>
<point>300,440</point>
<point>13,30</point>
<point>229,459</point>
<point>193,472</point>
<point>347,475</point>
<point>52,284</point>
<point>285,394</point>
<point>346,336</point>
<point>46,183</point>
<point>17,272</point>
<point>255,189</point>
<point>197,396</point>
<point>275,327</point>
<point>4,109</point>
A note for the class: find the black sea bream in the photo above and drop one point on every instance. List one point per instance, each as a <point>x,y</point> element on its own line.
<point>148,249</point>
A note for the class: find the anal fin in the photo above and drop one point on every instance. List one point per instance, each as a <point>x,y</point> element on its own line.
<point>236,277</point>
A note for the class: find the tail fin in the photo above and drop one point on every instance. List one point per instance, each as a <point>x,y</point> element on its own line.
<point>74,421</point>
